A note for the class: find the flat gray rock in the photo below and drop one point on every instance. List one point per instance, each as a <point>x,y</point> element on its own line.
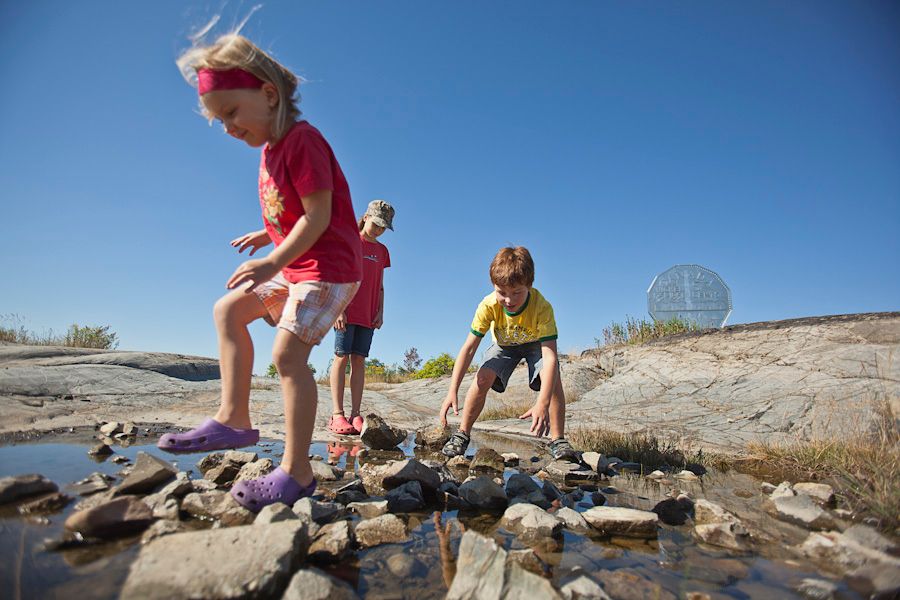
<point>804,511</point>
<point>310,583</point>
<point>385,529</point>
<point>236,562</point>
<point>480,569</point>
<point>530,521</point>
<point>625,522</point>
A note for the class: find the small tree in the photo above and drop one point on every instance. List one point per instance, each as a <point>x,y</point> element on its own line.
<point>436,367</point>
<point>273,372</point>
<point>411,360</point>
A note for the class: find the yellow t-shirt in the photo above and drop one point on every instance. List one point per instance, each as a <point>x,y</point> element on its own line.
<point>533,322</point>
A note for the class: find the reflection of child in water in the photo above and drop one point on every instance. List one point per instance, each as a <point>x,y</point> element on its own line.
<point>448,561</point>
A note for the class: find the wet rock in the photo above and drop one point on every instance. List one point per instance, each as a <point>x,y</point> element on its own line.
<point>22,486</point>
<point>372,476</point>
<point>551,492</point>
<point>767,488</point>
<point>236,562</point>
<point>148,473</point>
<point>572,520</point>
<point>821,493</point>
<point>354,491</point>
<point>202,485</point>
<point>783,490</point>
<point>530,522</point>
<point>274,513</point>
<point>322,471</point>
<point>433,438</point>
<point>449,487</point>
<point>115,518</point>
<point>210,461</point>
<point>129,428</point>
<point>45,504</point>
<point>121,460</point>
<point>624,522</point>
<point>379,435</point>
<point>162,505</point>
<point>161,528</point>
<point>817,589</point>
<point>255,470</point>
<point>846,553</point>
<point>484,494</point>
<point>627,584</point>
<point>93,483</point>
<point>598,499</point>
<point>731,535</point>
<point>583,588</point>
<point>803,511</point>
<point>111,428</point>
<point>487,462</point>
<point>480,569</point>
<point>870,538</point>
<point>524,585</point>
<point>445,474</point>
<point>522,488</point>
<point>399,473</point>
<point>405,498</point>
<point>385,529</point>
<point>528,560</point>
<point>458,462</point>
<point>403,565</point>
<point>217,505</point>
<point>510,459</point>
<point>100,450</point>
<point>710,512</point>
<point>369,509</point>
<point>674,511</point>
<point>570,473</point>
<point>310,583</point>
<point>331,543</point>
<point>318,512</point>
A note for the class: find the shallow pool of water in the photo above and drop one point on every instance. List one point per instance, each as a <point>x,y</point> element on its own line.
<point>673,561</point>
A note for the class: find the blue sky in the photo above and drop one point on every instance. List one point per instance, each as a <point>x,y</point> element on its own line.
<point>613,139</point>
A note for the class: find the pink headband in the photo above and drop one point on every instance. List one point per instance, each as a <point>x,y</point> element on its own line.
<point>211,80</point>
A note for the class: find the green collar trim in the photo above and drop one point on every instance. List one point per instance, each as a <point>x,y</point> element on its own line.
<point>521,310</point>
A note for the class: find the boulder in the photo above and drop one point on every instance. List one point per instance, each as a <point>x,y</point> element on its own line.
<point>433,438</point>
<point>530,522</point>
<point>146,475</point>
<point>115,518</point>
<point>385,529</point>
<point>331,543</point>
<point>236,562</point>
<point>625,522</point>
<point>22,486</point>
<point>310,583</point>
<point>379,435</point>
<point>483,493</point>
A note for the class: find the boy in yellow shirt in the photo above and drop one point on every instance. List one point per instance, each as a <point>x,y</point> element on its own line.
<point>523,327</point>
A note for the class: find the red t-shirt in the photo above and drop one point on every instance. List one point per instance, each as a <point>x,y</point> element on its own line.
<point>299,164</point>
<point>364,307</point>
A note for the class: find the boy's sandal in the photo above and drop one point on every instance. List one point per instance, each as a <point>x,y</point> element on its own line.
<point>561,449</point>
<point>277,486</point>
<point>456,445</point>
<point>357,422</point>
<point>340,425</point>
<point>210,435</point>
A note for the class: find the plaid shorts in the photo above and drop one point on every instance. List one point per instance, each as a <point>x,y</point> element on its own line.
<point>307,309</point>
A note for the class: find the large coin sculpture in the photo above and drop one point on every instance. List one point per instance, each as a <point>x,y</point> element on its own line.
<point>691,293</point>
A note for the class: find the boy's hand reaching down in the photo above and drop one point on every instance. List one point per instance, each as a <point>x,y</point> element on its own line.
<point>450,400</point>
<point>540,419</point>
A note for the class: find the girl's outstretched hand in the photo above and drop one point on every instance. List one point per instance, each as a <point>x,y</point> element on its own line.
<point>253,240</point>
<point>256,271</point>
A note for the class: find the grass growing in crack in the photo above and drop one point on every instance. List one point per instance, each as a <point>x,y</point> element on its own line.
<point>638,331</point>
<point>643,447</point>
<point>864,469</point>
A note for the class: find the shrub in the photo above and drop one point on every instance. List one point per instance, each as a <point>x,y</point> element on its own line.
<point>76,337</point>
<point>436,367</point>
<point>91,337</point>
<point>638,331</point>
<point>273,372</point>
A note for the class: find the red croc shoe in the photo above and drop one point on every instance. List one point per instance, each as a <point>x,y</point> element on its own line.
<point>357,423</point>
<point>340,425</point>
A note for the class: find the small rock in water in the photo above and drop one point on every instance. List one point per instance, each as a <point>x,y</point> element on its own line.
<point>23,486</point>
<point>100,450</point>
<point>115,518</point>
<point>385,529</point>
<point>318,512</point>
<point>403,565</point>
<point>312,584</point>
<point>405,498</point>
<point>402,472</point>
<point>120,459</point>
<point>625,522</point>
<point>96,482</point>
<point>817,589</point>
<point>510,459</point>
<point>148,473</point>
<point>369,509</point>
<point>672,511</point>
<point>530,522</point>
<point>803,511</point>
<point>433,437</point>
<point>458,461</point>
<point>331,543</point>
<point>783,490</point>
<point>572,520</point>
<point>628,584</point>
<point>767,488</point>
<point>46,504</point>
<point>823,494</point>
<point>487,462</point>
<point>111,428</point>
<point>482,493</point>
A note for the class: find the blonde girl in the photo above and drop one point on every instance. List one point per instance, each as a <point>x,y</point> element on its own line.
<point>304,283</point>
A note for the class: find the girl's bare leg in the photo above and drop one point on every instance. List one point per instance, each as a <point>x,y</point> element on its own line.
<point>300,402</point>
<point>357,381</point>
<point>233,312</point>
<point>337,377</point>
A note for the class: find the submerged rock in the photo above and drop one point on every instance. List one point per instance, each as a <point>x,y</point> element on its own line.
<point>385,529</point>
<point>22,486</point>
<point>236,562</point>
<point>627,584</point>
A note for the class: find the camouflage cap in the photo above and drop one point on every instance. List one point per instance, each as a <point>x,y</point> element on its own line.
<point>381,213</point>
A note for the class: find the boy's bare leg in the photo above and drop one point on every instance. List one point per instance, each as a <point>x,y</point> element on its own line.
<point>557,409</point>
<point>300,402</point>
<point>475,397</point>
<point>338,377</point>
<point>233,312</point>
<point>357,381</point>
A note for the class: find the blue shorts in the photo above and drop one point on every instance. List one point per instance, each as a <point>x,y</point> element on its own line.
<point>503,360</point>
<point>354,339</point>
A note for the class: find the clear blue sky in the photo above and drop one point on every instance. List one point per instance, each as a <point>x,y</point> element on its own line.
<point>614,139</point>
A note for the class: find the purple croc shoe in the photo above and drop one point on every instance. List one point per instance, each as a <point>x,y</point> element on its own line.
<point>277,486</point>
<point>210,435</point>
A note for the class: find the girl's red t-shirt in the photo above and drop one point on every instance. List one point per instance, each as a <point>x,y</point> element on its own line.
<point>299,164</point>
<point>364,307</point>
